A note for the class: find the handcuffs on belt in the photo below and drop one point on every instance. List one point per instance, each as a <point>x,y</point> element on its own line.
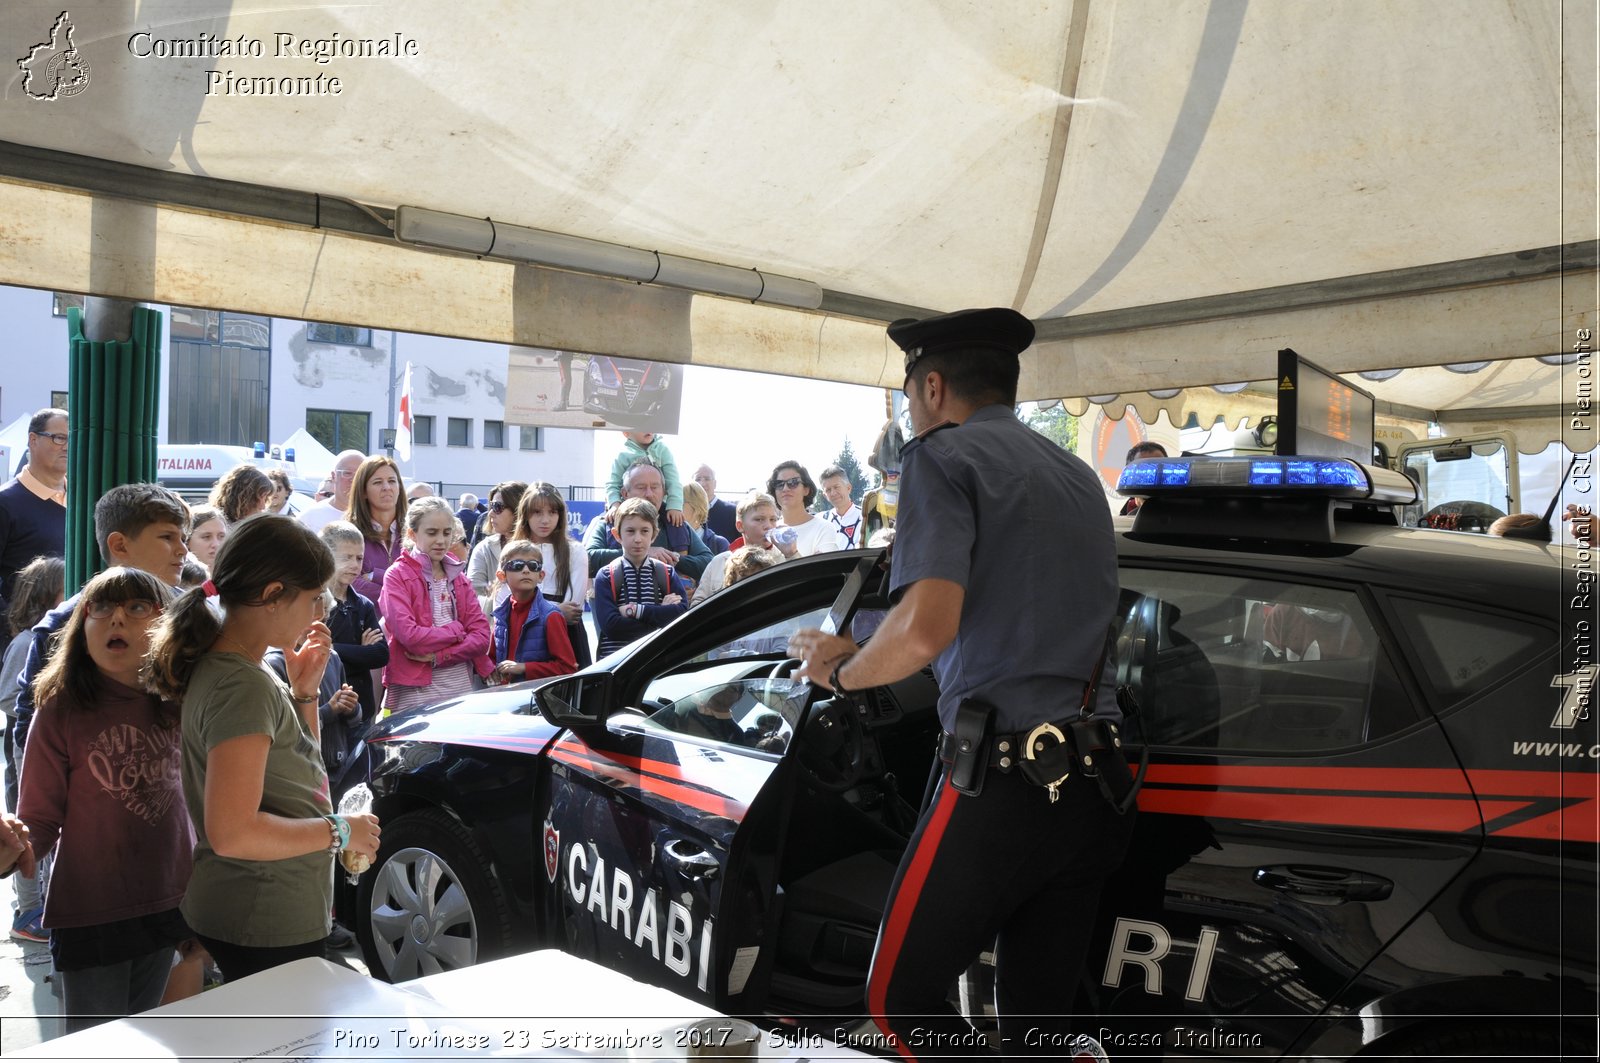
<point>1047,749</point>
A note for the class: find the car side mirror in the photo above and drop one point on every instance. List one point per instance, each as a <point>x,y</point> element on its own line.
<point>575,701</point>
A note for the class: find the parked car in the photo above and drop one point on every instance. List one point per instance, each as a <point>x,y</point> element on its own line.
<point>632,393</point>
<point>1368,822</point>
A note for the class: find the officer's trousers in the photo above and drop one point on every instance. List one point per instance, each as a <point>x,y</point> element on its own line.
<point>1008,867</point>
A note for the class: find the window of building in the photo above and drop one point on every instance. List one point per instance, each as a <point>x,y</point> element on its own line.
<point>1254,665</point>
<point>219,376</point>
<point>350,335</point>
<point>494,435</point>
<point>530,437</point>
<point>460,429</point>
<point>340,429</point>
<point>61,302</point>
<point>422,430</point>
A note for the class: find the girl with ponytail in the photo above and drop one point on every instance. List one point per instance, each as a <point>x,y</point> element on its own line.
<point>262,889</point>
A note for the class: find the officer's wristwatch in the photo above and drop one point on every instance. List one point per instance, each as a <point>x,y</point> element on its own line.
<point>833,677</point>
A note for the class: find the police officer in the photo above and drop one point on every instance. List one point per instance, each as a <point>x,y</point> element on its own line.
<point>1005,577</point>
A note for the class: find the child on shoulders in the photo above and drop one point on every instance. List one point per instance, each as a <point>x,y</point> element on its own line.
<point>647,446</point>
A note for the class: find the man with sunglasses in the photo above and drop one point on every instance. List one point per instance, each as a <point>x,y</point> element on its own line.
<point>33,506</point>
<point>1005,580</point>
<point>343,476</point>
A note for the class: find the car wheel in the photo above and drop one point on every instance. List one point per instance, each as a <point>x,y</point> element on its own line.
<point>430,904</point>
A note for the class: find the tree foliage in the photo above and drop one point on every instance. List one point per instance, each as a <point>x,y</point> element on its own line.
<point>852,470</point>
<point>1059,426</point>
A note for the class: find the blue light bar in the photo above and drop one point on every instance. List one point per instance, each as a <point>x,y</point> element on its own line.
<point>260,449</point>
<point>1244,476</point>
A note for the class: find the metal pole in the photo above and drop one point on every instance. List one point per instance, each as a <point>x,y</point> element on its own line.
<point>394,341</point>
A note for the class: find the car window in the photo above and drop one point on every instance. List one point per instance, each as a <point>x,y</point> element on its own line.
<point>1462,651</point>
<point>771,641</point>
<point>756,713</point>
<point>1254,665</point>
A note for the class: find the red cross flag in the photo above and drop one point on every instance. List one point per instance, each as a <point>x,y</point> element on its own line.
<point>402,435</point>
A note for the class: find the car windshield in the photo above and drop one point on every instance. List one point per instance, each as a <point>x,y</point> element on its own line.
<point>750,713</point>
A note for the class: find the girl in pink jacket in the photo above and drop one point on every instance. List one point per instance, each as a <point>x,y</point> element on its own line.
<point>438,636</point>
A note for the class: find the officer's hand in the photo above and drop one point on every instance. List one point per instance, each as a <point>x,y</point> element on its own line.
<point>818,652</point>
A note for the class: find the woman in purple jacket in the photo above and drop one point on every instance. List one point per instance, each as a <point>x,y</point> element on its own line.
<point>378,510</point>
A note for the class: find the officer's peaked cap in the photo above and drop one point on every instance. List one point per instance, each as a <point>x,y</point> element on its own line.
<point>996,328</point>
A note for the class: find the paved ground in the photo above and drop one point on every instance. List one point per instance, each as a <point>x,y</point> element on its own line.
<point>28,1007</point>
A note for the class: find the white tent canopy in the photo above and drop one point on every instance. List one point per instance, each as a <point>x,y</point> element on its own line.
<point>1172,190</point>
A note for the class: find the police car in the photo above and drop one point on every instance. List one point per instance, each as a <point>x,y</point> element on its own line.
<point>1367,826</point>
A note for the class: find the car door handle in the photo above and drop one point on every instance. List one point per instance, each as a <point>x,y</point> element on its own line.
<point>690,859</point>
<point>1324,885</point>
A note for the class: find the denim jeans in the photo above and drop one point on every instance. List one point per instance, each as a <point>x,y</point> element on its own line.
<point>99,994</point>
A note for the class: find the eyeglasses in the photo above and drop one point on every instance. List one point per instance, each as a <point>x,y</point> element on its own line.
<point>793,481</point>
<point>133,609</point>
<point>58,438</point>
<point>497,506</point>
<point>518,565</point>
<point>343,474</point>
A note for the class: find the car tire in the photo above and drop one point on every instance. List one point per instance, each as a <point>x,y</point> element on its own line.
<point>429,904</point>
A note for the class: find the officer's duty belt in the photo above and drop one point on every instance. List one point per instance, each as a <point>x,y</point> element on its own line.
<point>1046,756</point>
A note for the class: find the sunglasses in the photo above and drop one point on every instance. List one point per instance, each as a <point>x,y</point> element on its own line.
<point>793,481</point>
<point>518,565</point>
<point>133,609</point>
<point>497,506</point>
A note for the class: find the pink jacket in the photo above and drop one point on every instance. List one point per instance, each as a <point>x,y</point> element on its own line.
<point>408,623</point>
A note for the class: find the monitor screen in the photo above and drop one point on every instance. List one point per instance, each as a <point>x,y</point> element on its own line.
<point>1321,414</point>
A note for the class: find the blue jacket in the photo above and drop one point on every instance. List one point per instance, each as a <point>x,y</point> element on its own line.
<point>38,657</point>
<point>531,643</point>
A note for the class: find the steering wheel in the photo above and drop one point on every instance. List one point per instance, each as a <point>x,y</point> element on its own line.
<point>1462,515</point>
<point>833,745</point>
<point>784,669</point>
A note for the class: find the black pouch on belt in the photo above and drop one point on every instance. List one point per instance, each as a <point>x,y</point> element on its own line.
<point>1099,747</point>
<point>970,758</point>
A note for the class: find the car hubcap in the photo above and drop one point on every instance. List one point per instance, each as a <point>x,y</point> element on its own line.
<point>422,922</point>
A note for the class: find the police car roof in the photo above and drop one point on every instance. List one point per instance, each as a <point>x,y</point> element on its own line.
<point>1483,570</point>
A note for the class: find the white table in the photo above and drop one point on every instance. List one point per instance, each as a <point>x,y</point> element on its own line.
<point>540,1005</point>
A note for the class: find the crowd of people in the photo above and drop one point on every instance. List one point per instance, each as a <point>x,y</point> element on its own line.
<point>193,716</point>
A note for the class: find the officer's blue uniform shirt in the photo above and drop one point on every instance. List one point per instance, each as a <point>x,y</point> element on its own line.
<point>1024,527</point>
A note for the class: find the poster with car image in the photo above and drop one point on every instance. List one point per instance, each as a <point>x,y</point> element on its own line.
<point>566,389</point>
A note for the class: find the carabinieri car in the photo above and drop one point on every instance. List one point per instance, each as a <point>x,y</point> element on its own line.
<point>1367,826</point>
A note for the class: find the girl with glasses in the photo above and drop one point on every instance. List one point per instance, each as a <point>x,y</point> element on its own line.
<point>253,779</point>
<point>101,788</point>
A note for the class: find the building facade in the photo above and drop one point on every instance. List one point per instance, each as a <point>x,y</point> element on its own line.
<point>238,379</point>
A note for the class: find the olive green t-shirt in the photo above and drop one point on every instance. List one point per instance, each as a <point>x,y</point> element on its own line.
<point>258,903</point>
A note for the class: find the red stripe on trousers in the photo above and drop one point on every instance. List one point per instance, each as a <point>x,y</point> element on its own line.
<point>903,905</point>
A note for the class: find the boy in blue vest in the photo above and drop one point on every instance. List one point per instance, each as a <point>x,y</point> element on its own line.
<point>635,594</point>
<point>530,632</point>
